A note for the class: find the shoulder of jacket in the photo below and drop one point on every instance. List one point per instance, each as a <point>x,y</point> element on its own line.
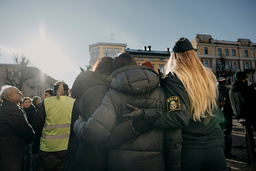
<point>171,77</point>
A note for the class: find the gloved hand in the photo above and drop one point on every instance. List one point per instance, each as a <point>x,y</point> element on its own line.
<point>139,123</point>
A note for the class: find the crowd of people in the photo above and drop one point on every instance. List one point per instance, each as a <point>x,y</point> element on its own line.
<point>122,116</point>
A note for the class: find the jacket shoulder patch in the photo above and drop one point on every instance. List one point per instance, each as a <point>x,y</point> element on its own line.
<point>173,103</point>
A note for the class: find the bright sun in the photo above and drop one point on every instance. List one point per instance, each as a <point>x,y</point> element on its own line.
<point>49,58</point>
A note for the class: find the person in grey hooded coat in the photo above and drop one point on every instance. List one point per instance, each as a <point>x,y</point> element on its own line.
<point>89,89</point>
<point>132,85</point>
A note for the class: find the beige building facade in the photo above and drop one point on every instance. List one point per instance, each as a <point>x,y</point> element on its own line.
<point>225,58</point>
<point>157,58</point>
<point>101,49</point>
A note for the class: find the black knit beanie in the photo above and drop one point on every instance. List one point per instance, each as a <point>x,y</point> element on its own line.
<point>182,45</point>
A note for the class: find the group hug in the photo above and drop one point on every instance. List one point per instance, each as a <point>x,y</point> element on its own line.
<point>121,116</point>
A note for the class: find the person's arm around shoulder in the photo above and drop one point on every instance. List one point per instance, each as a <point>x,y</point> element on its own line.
<point>128,129</point>
<point>177,106</point>
<point>99,126</point>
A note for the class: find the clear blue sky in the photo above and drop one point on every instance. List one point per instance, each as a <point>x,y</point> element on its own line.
<point>56,34</point>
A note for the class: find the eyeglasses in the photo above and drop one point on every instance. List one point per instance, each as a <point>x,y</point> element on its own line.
<point>19,92</point>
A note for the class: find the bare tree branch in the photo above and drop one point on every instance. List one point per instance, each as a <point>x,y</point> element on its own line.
<point>20,74</point>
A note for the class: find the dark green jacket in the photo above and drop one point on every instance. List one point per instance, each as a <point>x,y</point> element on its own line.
<point>204,134</point>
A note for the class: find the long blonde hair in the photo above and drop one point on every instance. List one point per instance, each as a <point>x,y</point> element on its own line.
<point>199,82</point>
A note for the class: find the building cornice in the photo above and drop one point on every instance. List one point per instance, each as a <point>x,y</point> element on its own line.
<point>107,44</point>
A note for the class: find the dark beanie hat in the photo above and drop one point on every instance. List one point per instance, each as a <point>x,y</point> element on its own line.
<point>239,76</point>
<point>147,63</point>
<point>182,45</point>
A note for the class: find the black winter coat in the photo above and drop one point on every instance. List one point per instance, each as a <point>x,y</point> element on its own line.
<point>15,133</point>
<point>138,86</point>
<point>227,109</point>
<point>243,100</point>
<point>30,114</point>
<point>88,89</point>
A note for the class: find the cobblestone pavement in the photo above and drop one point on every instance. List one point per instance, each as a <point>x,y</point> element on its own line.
<point>239,150</point>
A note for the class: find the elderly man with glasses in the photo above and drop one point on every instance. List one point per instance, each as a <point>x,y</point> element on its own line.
<point>15,132</point>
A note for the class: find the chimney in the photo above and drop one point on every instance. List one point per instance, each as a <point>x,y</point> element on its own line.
<point>149,48</point>
<point>145,48</point>
<point>167,50</point>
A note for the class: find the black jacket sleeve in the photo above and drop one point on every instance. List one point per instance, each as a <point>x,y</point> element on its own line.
<point>39,119</point>
<point>177,103</point>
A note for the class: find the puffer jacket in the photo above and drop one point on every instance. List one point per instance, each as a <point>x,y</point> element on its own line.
<point>137,86</point>
<point>89,89</point>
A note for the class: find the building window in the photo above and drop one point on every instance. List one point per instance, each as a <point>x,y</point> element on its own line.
<point>220,65</point>
<point>233,52</point>
<point>219,51</point>
<point>227,65</point>
<point>234,65</point>
<point>93,55</point>
<point>150,59</point>
<point>205,50</point>
<point>206,63</point>
<point>161,59</point>
<point>140,59</point>
<point>246,53</point>
<point>228,80</point>
<point>112,54</point>
<point>226,52</point>
<point>246,65</point>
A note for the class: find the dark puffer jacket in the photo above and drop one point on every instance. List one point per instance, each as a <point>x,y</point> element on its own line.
<point>138,86</point>
<point>89,89</point>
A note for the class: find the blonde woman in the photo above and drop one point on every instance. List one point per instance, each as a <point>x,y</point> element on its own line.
<point>191,91</point>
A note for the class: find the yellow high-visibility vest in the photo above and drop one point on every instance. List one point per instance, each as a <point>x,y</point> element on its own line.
<point>56,130</point>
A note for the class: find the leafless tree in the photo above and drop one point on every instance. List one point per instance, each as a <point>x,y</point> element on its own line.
<point>20,74</point>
